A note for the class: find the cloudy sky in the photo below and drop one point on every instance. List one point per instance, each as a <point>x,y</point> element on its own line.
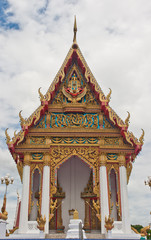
<point>115,39</point>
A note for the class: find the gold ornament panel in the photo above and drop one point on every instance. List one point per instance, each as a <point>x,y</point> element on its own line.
<point>37,140</point>
<point>111,140</point>
<point>74,140</point>
<point>74,120</point>
<point>59,155</point>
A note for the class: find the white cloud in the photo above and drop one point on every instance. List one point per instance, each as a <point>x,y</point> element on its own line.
<point>114,37</point>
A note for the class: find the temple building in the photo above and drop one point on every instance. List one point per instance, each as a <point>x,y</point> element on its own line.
<point>74,152</point>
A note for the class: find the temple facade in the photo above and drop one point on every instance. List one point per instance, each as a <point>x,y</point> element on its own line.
<point>74,152</point>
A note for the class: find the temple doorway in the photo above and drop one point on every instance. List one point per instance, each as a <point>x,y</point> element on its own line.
<point>73,176</point>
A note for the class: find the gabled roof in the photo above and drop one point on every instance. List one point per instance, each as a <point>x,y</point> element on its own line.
<point>75,54</point>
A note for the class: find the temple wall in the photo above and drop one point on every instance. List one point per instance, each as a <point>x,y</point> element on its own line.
<point>73,177</point>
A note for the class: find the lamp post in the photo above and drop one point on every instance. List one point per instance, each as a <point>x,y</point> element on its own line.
<point>5,180</point>
<point>148,182</point>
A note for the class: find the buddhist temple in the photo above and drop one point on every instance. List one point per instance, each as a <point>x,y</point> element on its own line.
<point>74,152</point>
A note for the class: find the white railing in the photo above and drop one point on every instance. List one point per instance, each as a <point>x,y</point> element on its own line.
<point>32,227</point>
<point>117,227</point>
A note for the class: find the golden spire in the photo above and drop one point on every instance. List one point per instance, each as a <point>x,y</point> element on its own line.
<point>75,30</point>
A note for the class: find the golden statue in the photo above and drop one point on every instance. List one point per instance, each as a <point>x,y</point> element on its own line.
<point>96,205</point>
<point>53,206</point>
<point>75,214</point>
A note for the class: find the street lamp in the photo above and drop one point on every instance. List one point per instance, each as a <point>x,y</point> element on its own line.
<point>5,180</point>
<point>148,182</point>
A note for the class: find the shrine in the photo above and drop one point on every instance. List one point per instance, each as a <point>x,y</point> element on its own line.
<point>74,152</point>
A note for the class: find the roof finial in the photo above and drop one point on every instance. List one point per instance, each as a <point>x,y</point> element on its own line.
<point>75,30</point>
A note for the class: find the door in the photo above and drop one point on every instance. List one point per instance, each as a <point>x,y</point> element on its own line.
<point>73,176</point>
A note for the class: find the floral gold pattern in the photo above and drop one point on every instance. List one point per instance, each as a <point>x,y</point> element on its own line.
<point>79,140</point>
<point>74,120</point>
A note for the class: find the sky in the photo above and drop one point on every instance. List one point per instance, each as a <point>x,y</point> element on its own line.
<point>115,39</point>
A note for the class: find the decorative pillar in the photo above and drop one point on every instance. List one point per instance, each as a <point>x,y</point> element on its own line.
<point>45,210</point>
<point>124,195</point>
<point>23,222</point>
<point>103,191</point>
<point>87,214</point>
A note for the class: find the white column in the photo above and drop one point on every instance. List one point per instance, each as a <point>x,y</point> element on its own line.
<point>103,192</point>
<point>124,196</point>
<point>45,209</point>
<point>3,224</point>
<point>23,221</point>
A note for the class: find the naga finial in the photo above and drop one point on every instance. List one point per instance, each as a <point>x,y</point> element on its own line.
<point>7,136</point>
<point>108,97</point>
<point>41,96</point>
<point>75,30</point>
<point>109,223</point>
<point>41,222</point>
<point>127,119</point>
<point>22,120</point>
<point>141,139</point>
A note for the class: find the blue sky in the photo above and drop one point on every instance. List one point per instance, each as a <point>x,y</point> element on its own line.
<point>115,39</point>
<point>5,15</point>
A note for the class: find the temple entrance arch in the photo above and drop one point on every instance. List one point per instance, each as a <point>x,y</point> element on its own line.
<point>73,176</point>
<point>75,185</point>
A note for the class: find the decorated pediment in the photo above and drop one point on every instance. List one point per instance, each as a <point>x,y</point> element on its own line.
<point>75,89</point>
<point>74,100</point>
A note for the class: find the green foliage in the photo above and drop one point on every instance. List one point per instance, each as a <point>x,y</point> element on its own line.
<point>148,233</point>
<point>137,227</point>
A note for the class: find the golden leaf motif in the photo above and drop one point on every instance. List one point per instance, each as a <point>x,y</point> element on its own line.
<point>141,139</point>
<point>127,119</point>
<point>41,96</point>
<point>108,97</point>
<point>7,136</point>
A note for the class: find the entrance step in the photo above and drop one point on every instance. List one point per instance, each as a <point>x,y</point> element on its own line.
<point>95,236</point>
<point>56,236</point>
<point>63,236</point>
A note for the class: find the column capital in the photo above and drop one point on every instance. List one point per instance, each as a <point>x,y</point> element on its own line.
<point>47,159</point>
<point>122,161</point>
<point>27,159</point>
<point>103,159</point>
